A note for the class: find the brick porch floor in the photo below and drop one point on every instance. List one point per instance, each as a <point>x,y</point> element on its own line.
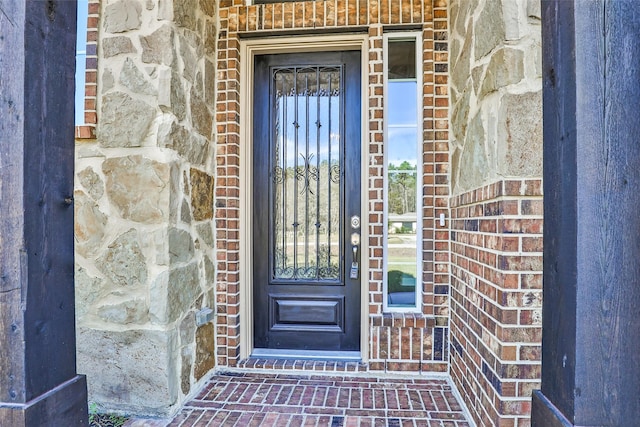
<point>301,399</point>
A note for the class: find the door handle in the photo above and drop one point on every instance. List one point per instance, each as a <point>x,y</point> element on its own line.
<point>355,243</point>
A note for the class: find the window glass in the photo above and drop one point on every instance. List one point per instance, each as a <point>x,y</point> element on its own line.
<point>403,169</point>
<point>402,59</point>
<point>401,102</point>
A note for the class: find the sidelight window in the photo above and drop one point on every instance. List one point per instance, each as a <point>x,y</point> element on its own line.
<point>403,172</point>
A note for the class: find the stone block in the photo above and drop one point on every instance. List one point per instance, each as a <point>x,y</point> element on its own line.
<point>198,152</point>
<point>157,48</point>
<point>108,81</point>
<point>505,68</point>
<point>119,108</point>
<point>133,79</point>
<point>189,60</point>
<point>89,226</point>
<point>91,182</point>
<point>208,7</point>
<point>137,187</point>
<point>474,166</point>
<point>130,311</point>
<point>205,233</point>
<point>194,148</point>
<point>181,248</point>
<point>461,68</point>
<point>175,196</point>
<point>158,304</point>
<point>182,290</point>
<point>121,16</point>
<point>178,138</point>
<point>188,329</point>
<point>185,370</point>
<point>201,116</point>
<point>185,212</point>
<point>209,272</point>
<point>164,88</point>
<point>184,13</point>
<point>516,24</point>
<point>209,82</point>
<point>178,97</point>
<point>88,150</point>
<point>123,262</point>
<point>130,371</point>
<point>210,38</point>
<point>202,188</point>
<point>87,290</point>
<point>460,115</point>
<point>520,135</point>
<point>205,351</point>
<point>491,30</point>
<point>119,45</point>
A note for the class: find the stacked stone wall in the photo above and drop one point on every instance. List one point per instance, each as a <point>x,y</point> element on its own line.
<point>144,205</point>
<point>399,342</point>
<point>496,216</point>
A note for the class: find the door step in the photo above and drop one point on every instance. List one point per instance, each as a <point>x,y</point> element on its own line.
<point>334,356</point>
<point>293,363</point>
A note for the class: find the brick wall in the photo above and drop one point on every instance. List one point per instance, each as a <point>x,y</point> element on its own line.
<point>88,129</point>
<point>496,306</point>
<point>399,342</point>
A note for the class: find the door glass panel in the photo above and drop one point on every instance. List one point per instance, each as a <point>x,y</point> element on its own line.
<point>306,169</point>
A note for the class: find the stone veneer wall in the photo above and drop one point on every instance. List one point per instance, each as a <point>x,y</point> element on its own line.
<point>399,342</point>
<point>496,206</point>
<point>144,206</point>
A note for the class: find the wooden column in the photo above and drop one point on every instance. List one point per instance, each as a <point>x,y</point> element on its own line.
<point>591,312</point>
<point>38,381</point>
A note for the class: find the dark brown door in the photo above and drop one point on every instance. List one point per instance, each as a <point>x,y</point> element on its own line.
<point>306,188</point>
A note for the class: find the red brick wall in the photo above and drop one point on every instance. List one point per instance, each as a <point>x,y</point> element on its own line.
<point>496,299</point>
<point>416,342</point>
<point>88,130</point>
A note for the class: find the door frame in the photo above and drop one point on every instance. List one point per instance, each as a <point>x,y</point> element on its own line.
<point>249,49</point>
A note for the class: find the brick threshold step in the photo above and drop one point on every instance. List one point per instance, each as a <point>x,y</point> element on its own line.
<point>306,365</point>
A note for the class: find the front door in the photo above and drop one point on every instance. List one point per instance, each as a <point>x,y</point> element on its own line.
<point>306,192</point>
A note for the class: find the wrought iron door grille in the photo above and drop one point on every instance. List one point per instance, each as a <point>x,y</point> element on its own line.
<point>306,185</point>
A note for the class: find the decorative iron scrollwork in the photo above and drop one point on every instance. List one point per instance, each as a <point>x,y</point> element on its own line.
<point>306,172</point>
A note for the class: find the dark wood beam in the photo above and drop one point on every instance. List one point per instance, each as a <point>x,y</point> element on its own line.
<point>591,309</point>
<point>38,381</point>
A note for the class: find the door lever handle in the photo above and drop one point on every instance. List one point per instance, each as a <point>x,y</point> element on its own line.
<point>355,242</point>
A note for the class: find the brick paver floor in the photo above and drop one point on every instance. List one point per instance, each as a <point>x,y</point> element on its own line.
<point>261,399</point>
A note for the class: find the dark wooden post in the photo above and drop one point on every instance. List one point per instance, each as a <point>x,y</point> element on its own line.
<point>38,381</point>
<point>591,313</point>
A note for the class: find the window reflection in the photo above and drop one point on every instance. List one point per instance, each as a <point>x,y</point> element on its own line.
<point>401,151</point>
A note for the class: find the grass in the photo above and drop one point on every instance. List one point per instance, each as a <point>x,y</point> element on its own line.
<point>97,419</point>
